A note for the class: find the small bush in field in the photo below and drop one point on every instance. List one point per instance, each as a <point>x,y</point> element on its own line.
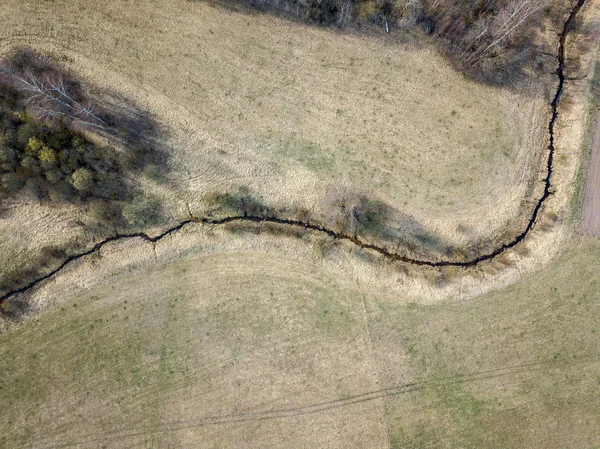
<point>240,202</point>
<point>354,213</point>
<point>142,212</point>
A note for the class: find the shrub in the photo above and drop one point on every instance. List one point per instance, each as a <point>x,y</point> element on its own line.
<point>9,137</point>
<point>239,203</point>
<point>53,176</point>
<point>30,164</point>
<point>33,187</point>
<point>7,156</point>
<point>71,161</point>
<point>353,213</point>
<point>60,138</point>
<point>50,254</point>
<point>105,212</point>
<point>98,159</point>
<point>82,179</point>
<point>11,182</point>
<point>62,192</point>
<point>322,246</point>
<point>47,156</point>
<point>14,309</point>
<point>78,142</point>
<point>142,213</point>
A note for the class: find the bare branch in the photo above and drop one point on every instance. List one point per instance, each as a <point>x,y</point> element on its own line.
<point>50,99</point>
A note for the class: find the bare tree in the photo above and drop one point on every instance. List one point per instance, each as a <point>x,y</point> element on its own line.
<point>345,13</point>
<point>409,12</point>
<point>48,97</point>
<point>510,18</point>
<point>506,24</point>
<point>345,209</point>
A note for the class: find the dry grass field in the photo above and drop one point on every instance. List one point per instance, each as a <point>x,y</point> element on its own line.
<point>212,342</point>
<point>290,111</point>
<point>262,336</point>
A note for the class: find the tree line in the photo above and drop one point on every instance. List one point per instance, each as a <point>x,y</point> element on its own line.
<point>488,39</point>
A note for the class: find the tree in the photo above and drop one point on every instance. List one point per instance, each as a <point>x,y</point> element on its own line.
<point>47,156</point>
<point>351,212</point>
<point>345,209</point>
<point>34,145</point>
<point>506,23</point>
<point>82,179</point>
<point>48,97</point>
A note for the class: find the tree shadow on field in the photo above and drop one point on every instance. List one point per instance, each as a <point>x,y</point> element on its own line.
<point>373,220</point>
<point>468,34</point>
<point>137,132</point>
<point>404,231</point>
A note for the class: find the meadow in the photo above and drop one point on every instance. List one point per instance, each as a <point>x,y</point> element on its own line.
<point>257,335</point>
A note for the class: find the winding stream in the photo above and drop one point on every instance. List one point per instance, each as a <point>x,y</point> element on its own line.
<point>341,236</point>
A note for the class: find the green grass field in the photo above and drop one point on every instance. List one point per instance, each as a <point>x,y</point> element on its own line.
<point>246,348</point>
<point>517,368</point>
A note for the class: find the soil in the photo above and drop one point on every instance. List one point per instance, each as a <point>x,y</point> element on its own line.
<point>590,217</point>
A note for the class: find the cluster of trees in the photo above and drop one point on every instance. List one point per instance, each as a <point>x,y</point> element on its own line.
<point>53,163</point>
<point>490,39</point>
<point>486,38</point>
<point>44,152</point>
<point>342,12</point>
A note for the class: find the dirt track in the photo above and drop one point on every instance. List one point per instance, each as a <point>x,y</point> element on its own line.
<point>590,217</point>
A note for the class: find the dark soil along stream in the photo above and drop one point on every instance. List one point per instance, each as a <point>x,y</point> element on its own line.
<point>341,236</point>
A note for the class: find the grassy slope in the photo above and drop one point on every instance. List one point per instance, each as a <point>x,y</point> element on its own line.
<point>208,352</point>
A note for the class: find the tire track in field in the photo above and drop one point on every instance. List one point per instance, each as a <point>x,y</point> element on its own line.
<point>294,412</point>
